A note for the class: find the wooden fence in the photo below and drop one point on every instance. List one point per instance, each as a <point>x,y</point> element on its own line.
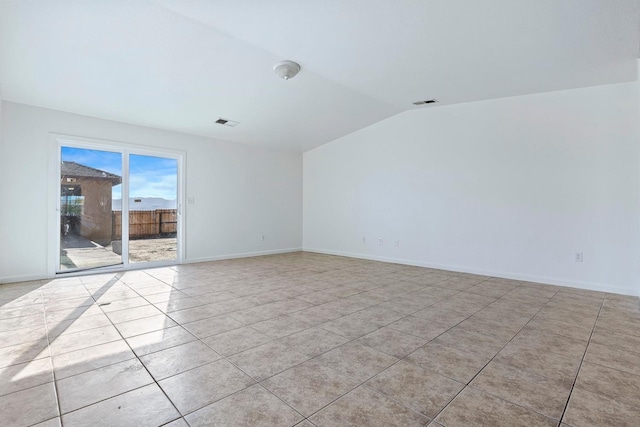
<point>157,223</point>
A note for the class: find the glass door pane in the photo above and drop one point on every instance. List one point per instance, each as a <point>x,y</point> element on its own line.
<point>90,224</point>
<point>153,216</point>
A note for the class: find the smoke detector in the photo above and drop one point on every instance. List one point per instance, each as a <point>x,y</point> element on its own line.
<point>286,69</point>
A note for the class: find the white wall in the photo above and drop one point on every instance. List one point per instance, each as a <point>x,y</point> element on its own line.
<point>511,187</point>
<point>241,192</point>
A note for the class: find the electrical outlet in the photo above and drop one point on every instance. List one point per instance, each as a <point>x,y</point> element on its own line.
<point>191,200</point>
<point>364,239</point>
<point>397,242</point>
<point>380,240</point>
<point>262,237</point>
<point>579,257</point>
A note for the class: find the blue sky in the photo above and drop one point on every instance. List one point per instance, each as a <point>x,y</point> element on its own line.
<point>149,176</point>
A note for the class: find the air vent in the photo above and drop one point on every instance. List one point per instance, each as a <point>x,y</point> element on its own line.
<point>428,101</point>
<point>226,122</point>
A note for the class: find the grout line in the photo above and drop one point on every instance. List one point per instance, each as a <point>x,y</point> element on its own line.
<point>53,371</point>
<point>481,369</point>
<point>581,361</point>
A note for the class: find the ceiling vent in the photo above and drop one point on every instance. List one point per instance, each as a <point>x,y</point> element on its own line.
<point>428,101</point>
<point>227,122</point>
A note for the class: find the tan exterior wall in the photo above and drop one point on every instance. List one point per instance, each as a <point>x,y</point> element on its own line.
<point>95,221</point>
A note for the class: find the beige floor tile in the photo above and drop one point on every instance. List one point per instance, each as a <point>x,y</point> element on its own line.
<point>541,362</point>
<point>492,289</point>
<point>357,361</point>
<point>568,316</point>
<point>526,297</point>
<point>114,294</point>
<point>475,408</point>
<point>419,327</point>
<point>450,362</point>
<point>316,315</point>
<point>613,357</point>
<point>437,292</point>
<point>173,360</point>
<point>313,341</point>
<point>319,297</point>
<point>93,386</point>
<point>281,326</point>
<point>310,386</point>
<point>87,359</point>
<point>531,391</point>
<point>616,339</point>
<point>255,314</point>
<point>466,303</point>
<point>29,406</point>
<point>212,326</point>
<point>22,336</point>
<point>65,327</point>
<point>28,310</point>
<point>442,315</point>
<point>21,353</point>
<point>53,422</point>
<point>145,406</point>
<point>614,384</point>
<point>508,310</point>
<point>392,342</point>
<point>25,375</point>
<point>471,342</point>
<point>558,326</point>
<point>171,304</point>
<point>365,407</point>
<point>236,340</point>
<point>409,304</point>
<point>79,340</point>
<point>551,342</point>
<point>194,314</point>
<point>259,408</point>
<point>145,325</point>
<point>492,327</point>
<point>267,360</point>
<point>229,306</point>
<point>196,388</point>
<point>159,340</point>
<point>124,304</point>
<point>350,326</point>
<point>590,409</point>
<point>128,314</point>
<point>457,283</point>
<point>73,313</point>
<point>424,391</point>
<point>31,321</point>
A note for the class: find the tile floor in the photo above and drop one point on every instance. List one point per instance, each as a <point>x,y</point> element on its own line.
<point>306,339</point>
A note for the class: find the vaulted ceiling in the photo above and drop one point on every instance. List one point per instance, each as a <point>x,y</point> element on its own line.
<point>182,64</point>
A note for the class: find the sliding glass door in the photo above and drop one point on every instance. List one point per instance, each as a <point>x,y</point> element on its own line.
<point>117,208</point>
<point>90,180</point>
<point>153,208</point>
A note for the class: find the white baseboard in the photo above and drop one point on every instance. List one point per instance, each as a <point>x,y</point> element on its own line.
<point>241,255</point>
<point>23,278</point>
<point>506,275</point>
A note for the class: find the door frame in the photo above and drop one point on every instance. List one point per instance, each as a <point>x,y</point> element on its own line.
<point>56,142</point>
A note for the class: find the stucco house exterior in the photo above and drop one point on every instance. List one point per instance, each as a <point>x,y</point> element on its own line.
<point>86,201</point>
